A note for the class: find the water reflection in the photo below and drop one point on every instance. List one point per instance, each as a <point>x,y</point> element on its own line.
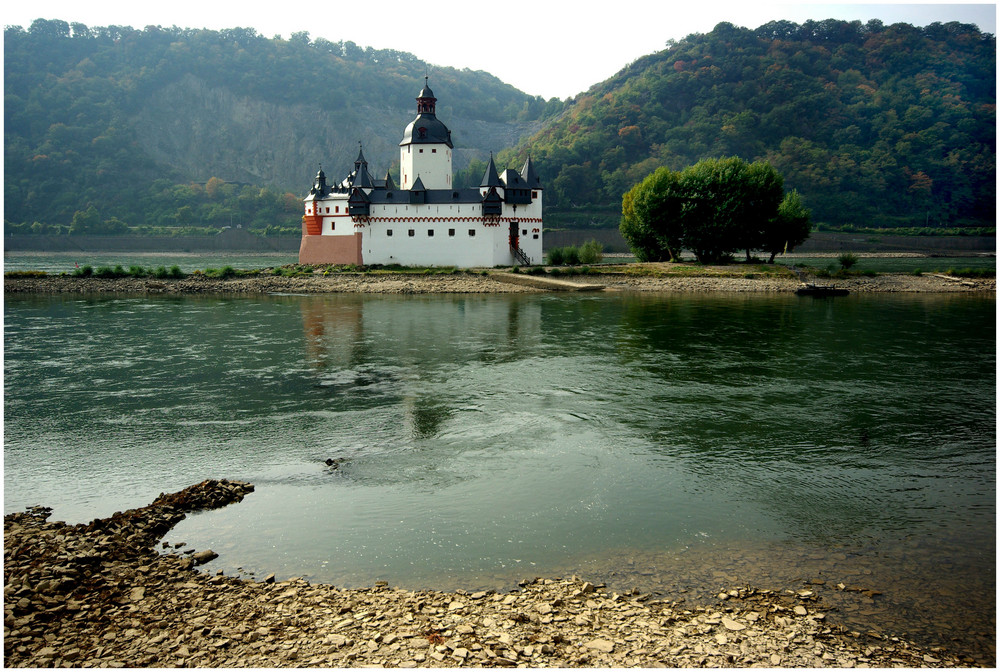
<point>493,436</point>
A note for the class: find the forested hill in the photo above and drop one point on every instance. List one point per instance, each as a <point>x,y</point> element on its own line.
<point>136,122</point>
<point>875,125</point>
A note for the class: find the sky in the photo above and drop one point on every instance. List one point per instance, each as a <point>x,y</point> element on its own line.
<point>548,48</point>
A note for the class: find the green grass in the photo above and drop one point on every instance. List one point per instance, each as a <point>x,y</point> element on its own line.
<point>898,264</point>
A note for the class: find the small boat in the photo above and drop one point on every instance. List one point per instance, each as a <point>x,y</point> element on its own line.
<point>809,289</point>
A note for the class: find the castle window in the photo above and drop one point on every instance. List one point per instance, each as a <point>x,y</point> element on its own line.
<point>534,194</point>
<point>388,232</point>
<point>451,233</point>
<point>524,232</point>
<point>430,233</point>
<point>333,226</point>
<point>411,233</point>
<point>472,232</point>
<point>336,209</point>
<point>328,210</point>
<point>421,150</point>
<point>434,151</point>
<point>534,236</point>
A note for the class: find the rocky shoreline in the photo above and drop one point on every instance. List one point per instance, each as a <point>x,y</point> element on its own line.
<point>487,282</point>
<point>102,595</point>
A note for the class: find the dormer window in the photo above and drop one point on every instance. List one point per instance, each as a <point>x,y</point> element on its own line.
<point>422,132</point>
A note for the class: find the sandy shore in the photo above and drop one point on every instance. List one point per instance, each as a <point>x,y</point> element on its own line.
<point>102,595</point>
<point>634,278</point>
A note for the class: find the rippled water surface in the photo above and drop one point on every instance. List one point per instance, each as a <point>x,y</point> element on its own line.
<point>668,442</point>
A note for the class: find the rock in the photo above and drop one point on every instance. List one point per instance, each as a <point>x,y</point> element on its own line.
<point>800,610</point>
<point>730,624</point>
<point>137,593</point>
<point>601,645</point>
<point>201,557</point>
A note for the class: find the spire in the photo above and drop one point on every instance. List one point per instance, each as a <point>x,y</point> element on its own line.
<point>490,178</point>
<point>389,184</point>
<point>425,99</point>
<point>319,185</point>
<point>529,176</point>
<point>360,161</point>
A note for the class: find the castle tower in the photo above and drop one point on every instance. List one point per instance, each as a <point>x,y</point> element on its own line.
<point>425,150</point>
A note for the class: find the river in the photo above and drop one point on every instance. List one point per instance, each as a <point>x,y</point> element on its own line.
<point>675,444</point>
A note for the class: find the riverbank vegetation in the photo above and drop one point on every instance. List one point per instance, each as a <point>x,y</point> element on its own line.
<point>713,208</point>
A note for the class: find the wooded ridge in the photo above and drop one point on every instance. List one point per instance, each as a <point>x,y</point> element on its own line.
<point>112,128</point>
<point>873,125</point>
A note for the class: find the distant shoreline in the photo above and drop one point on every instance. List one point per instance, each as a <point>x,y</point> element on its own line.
<point>626,278</point>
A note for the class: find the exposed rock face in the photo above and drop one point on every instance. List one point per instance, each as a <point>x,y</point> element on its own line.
<point>100,595</point>
<point>207,131</point>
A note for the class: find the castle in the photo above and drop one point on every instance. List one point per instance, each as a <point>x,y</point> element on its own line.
<point>424,221</point>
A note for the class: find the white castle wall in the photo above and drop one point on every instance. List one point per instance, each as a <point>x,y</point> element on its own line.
<point>431,162</point>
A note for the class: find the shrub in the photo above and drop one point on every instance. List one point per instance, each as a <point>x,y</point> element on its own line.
<point>592,252</point>
<point>137,271</point>
<point>84,272</point>
<point>556,257</point>
<point>847,259</point>
<point>571,255</point>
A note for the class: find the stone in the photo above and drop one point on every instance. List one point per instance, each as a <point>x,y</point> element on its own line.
<point>137,593</point>
<point>730,624</point>
<point>201,557</point>
<point>601,645</point>
<point>800,610</point>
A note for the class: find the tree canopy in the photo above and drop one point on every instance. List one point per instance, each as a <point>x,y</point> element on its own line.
<point>872,124</point>
<point>713,208</point>
<point>75,99</point>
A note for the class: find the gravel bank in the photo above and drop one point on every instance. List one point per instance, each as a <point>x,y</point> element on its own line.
<point>713,280</point>
<point>101,595</point>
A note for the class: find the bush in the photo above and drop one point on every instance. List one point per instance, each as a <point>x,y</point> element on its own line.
<point>556,256</point>
<point>571,255</point>
<point>847,260</point>
<point>592,252</point>
<point>83,272</point>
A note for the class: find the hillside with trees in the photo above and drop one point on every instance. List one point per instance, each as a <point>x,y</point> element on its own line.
<point>157,130</point>
<point>873,125</point>
<point>112,128</point>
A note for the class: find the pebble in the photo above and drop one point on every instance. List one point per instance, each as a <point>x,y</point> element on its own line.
<point>119,602</point>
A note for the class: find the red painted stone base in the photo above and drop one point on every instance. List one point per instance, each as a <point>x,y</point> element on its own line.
<point>331,250</point>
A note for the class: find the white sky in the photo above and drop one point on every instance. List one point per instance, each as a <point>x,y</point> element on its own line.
<point>543,47</point>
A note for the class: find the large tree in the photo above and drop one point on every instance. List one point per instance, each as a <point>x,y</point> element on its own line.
<point>713,208</point>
